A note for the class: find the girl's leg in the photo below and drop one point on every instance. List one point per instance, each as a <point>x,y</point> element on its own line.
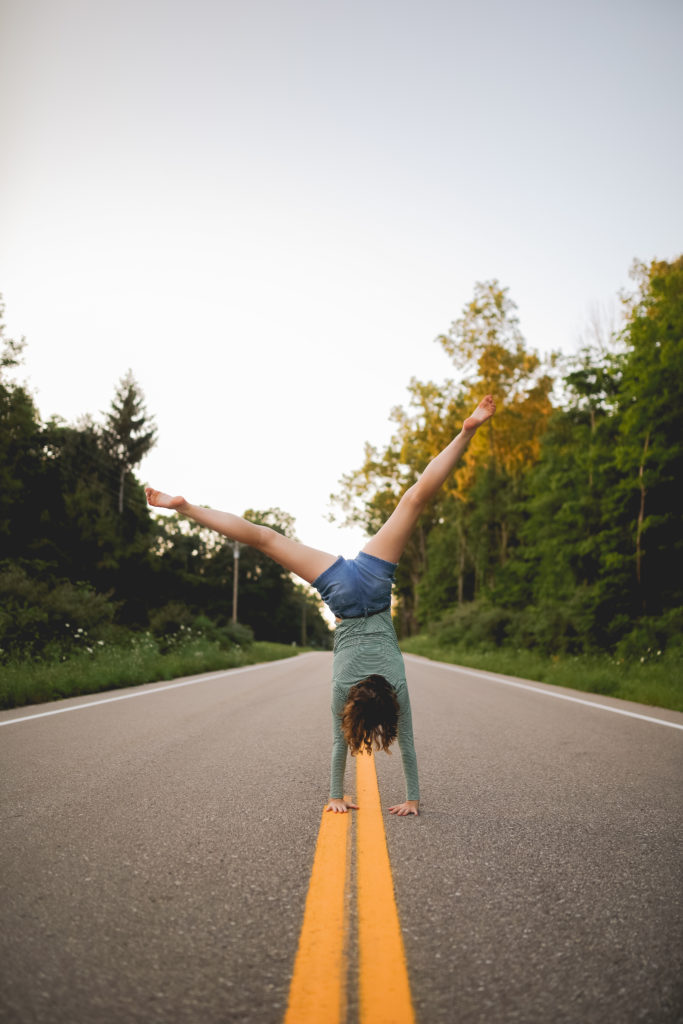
<point>390,541</point>
<point>308,563</point>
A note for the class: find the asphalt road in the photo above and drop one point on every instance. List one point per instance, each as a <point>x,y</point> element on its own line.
<point>156,851</point>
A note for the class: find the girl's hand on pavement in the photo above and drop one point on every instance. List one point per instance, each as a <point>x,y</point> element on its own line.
<point>341,806</point>
<point>408,807</point>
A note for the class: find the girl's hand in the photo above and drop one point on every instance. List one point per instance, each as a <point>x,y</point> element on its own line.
<point>341,806</point>
<point>160,500</point>
<point>408,807</point>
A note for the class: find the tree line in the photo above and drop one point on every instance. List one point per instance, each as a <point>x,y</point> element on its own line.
<point>81,553</point>
<point>561,529</point>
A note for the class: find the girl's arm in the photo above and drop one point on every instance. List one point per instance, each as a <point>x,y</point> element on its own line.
<point>337,802</point>
<point>407,747</point>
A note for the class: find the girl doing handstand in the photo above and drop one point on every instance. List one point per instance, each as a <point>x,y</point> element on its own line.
<point>370,703</point>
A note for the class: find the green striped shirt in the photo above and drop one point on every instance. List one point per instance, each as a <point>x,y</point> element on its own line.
<point>363,647</point>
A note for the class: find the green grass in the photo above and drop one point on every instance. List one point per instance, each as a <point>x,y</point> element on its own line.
<point>657,679</point>
<point>110,667</point>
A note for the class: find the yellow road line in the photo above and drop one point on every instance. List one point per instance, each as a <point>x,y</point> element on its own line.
<point>317,993</point>
<point>384,986</point>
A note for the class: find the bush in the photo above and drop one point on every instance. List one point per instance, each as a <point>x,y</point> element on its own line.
<point>175,623</point>
<point>656,682</point>
<point>232,634</point>
<point>170,619</point>
<point>554,628</point>
<point>39,616</point>
<point>549,628</point>
<point>651,636</point>
<point>130,663</point>
<point>473,625</point>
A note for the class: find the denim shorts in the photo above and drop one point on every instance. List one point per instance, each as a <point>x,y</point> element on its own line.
<point>353,587</point>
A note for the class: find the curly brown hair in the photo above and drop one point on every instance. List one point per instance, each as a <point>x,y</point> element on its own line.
<point>370,715</point>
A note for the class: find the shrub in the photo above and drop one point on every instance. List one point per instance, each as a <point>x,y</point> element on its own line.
<point>41,615</point>
<point>232,634</point>
<point>651,636</point>
<point>170,619</point>
<point>474,625</point>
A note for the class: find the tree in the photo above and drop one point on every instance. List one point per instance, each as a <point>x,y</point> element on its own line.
<point>602,544</point>
<point>649,450</point>
<point>479,510</point>
<point>270,602</point>
<point>195,567</point>
<point>19,450</point>
<point>487,347</point>
<point>129,431</point>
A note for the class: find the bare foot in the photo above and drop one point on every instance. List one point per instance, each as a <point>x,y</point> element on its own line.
<point>483,412</point>
<point>160,500</point>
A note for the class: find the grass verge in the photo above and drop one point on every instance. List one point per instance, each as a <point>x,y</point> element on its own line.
<point>656,680</point>
<point>112,667</point>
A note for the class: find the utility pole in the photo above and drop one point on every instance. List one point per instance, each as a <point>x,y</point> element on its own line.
<point>235,574</point>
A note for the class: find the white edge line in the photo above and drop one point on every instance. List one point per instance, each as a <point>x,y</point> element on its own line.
<point>145,693</point>
<point>491,678</point>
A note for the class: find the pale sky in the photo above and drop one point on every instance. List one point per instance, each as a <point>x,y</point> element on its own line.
<point>269,209</point>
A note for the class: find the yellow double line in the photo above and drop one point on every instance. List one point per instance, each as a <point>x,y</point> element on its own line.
<point>317,993</point>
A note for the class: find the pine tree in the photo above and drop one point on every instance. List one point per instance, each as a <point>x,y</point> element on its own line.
<point>129,432</point>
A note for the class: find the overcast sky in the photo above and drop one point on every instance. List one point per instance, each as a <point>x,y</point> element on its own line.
<point>268,209</point>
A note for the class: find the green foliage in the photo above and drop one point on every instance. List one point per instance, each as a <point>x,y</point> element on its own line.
<point>78,544</point>
<point>136,660</point>
<point>38,616</point>
<point>563,531</point>
<point>655,680</point>
<point>170,619</point>
<point>80,533</point>
<point>231,637</point>
<point>549,629</point>
<point>195,569</point>
<point>560,533</point>
<point>19,448</point>
<point>651,636</point>
<point>176,622</point>
<point>129,432</point>
<point>649,450</point>
<point>462,542</point>
<point>231,634</point>
<point>273,605</point>
<point>602,542</point>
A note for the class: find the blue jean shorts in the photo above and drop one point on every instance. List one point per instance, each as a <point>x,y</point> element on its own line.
<point>353,587</point>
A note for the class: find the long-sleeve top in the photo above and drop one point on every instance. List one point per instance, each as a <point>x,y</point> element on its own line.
<point>362,647</point>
